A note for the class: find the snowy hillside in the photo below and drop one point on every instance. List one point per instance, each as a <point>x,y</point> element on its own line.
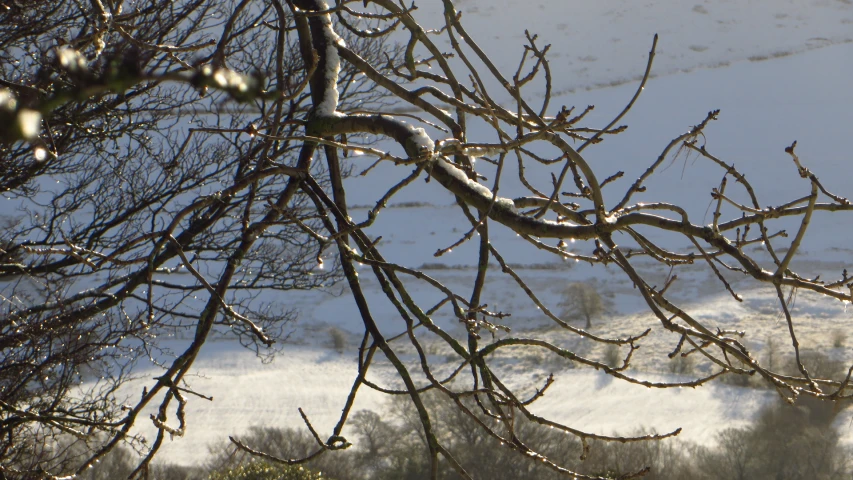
<point>779,71</point>
<point>604,43</point>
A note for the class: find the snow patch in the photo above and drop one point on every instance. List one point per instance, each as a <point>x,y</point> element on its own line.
<point>329,105</point>
<point>460,175</point>
<point>422,141</point>
<point>482,151</point>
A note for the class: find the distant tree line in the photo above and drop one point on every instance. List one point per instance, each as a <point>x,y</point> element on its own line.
<point>789,442</point>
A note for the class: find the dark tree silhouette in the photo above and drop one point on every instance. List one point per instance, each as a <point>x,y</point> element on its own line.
<point>167,163</point>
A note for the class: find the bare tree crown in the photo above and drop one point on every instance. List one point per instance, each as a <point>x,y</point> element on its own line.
<point>176,164</point>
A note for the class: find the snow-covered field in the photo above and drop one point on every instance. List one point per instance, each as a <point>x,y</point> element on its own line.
<point>779,71</point>
<point>604,43</point>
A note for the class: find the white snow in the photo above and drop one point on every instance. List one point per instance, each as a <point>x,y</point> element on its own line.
<point>247,393</point>
<point>457,173</point>
<point>329,104</point>
<point>605,43</point>
<point>422,141</point>
<point>482,151</point>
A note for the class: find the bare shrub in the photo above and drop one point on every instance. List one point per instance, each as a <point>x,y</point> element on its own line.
<point>264,470</point>
<point>284,443</point>
<point>741,381</point>
<point>337,339</point>
<point>839,338</point>
<point>581,300</point>
<point>612,356</point>
<point>169,471</point>
<point>390,447</point>
<point>794,442</point>
<point>667,460</point>
<point>682,365</point>
<point>818,364</point>
<point>66,452</point>
<point>771,353</point>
